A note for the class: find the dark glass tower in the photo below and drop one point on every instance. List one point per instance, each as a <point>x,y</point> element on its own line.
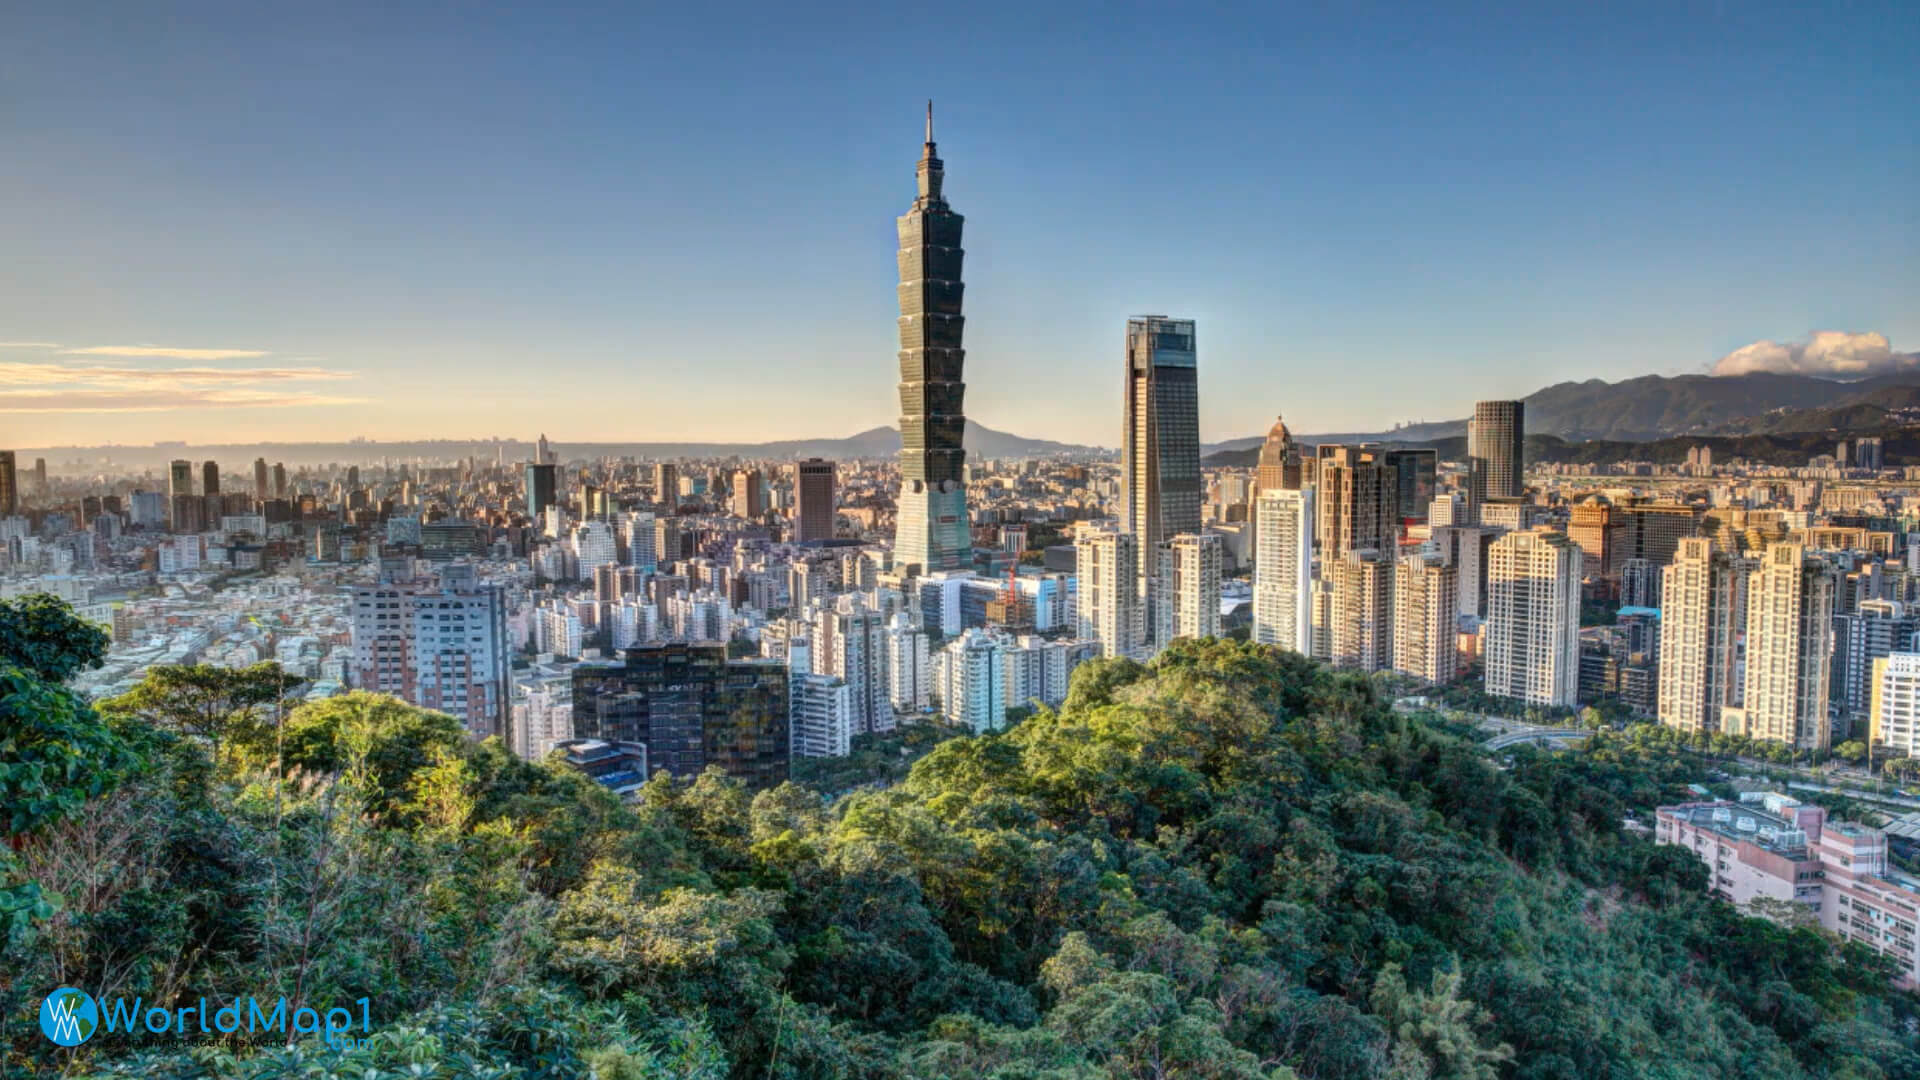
<point>932,530</point>
<point>1496,452</point>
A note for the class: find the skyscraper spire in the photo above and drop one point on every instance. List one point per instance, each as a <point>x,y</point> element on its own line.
<point>932,527</point>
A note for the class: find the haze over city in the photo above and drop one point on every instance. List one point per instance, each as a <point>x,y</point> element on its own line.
<point>244,224</point>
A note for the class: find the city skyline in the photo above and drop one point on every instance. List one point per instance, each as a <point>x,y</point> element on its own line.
<point>1481,232</point>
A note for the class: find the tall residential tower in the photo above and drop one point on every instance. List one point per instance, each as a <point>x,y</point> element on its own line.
<point>932,530</point>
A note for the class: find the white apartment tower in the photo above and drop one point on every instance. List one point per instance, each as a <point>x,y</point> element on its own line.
<point>849,640</point>
<point>1701,593</point>
<point>1426,620</point>
<point>975,693</point>
<point>909,671</point>
<point>820,716</point>
<point>1789,648</point>
<point>1189,580</point>
<point>1107,565</point>
<point>1283,570</point>
<point>1533,618</point>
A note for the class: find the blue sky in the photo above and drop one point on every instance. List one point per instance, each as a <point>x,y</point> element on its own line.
<point>614,223</point>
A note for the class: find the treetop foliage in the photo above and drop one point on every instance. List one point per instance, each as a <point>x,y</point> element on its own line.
<point>1230,863</point>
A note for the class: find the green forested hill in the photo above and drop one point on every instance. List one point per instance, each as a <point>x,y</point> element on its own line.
<point>1231,863</point>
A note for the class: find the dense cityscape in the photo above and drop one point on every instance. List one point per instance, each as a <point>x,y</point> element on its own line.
<point>1557,741</point>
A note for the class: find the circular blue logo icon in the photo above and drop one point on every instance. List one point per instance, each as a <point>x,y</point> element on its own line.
<point>69,1017</point>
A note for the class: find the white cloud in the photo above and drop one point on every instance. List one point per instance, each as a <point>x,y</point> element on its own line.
<point>167,352</point>
<point>1831,354</point>
<point>23,374</point>
<point>162,400</point>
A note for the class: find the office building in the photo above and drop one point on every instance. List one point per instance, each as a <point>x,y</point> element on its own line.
<point>1355,502</point>
<point>813,500</point>
<point>260,489</point>
<point>542,488</point>
<point>1426,621</point>
<point>9,485</point>
<point>1283,568</point>
<point>1416,477</point>
<point>1279,464</point>
<point>749,493</point>
<point>279,480</point>
<point>1107,573</point>
<point>1789,649</point>
<point>1533,618</point>
<point>932,529</point>
<point>1160,489</point>
<point>666,484</point>
<point>1362,630</point>
<point>691,707</point>
<point>439,643</point>
<point>1704,592</point>
<point>1496,454</point>
<point>210,478</point>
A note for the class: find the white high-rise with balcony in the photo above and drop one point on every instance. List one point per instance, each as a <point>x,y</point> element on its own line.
<point>1283,570</point>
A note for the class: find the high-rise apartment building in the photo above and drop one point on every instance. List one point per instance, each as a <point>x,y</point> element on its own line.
<point>1496,451</point>
<point>908,672</point>
<point>1426,620</point>
<point>1362,583</point>
<point>1160,489</point>
<point>1874,629</point>
<point>1283,568</point>
<point>1703,591</point>
<point>437,643</point>
<point>813,500</point>
<point>210,478</point>
<point>932,530</point>
<point>1189,583</point>
<point>260,489</point>
<point>975,688</point>
<point>820,716</point>
<point>1894,709</point>
<point>1789,649</point>
<point>9,485</point>
<point>1355,505</point>
<point>1107,569</point>
<point>1533,618</point>
<point>849,641</point>
<point>279,479</point>
<point>691,707</point>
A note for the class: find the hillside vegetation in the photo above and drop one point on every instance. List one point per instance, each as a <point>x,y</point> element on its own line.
<point>1231,863</point>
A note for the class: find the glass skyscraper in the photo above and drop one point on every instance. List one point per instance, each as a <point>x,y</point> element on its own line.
<point>1160,447</point>
<point>932,530</point>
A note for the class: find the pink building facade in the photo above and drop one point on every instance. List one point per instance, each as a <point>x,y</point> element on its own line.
<point>1778,848</point>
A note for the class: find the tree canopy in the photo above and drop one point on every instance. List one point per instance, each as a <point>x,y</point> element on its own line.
<point>1228,863</point>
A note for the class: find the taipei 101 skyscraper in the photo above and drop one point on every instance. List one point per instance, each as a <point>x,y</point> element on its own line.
<point>932,530</point>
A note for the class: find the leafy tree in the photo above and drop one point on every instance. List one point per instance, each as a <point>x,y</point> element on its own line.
<point>219,705</point>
